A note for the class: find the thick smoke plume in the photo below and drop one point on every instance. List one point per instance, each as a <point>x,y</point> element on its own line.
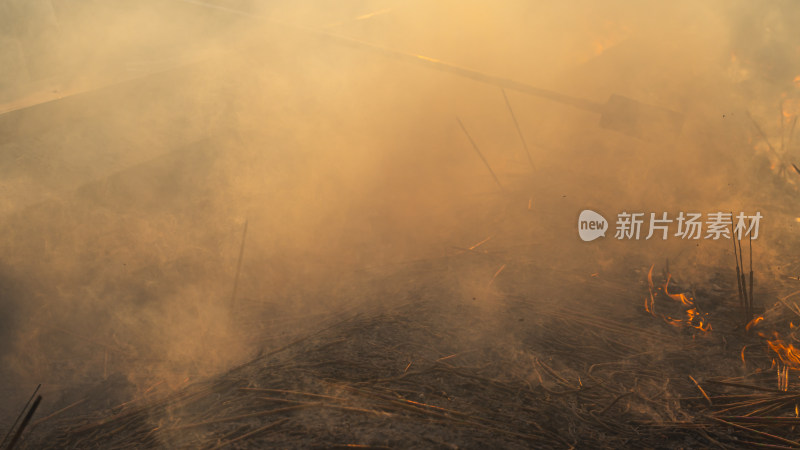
<point>140,137</point>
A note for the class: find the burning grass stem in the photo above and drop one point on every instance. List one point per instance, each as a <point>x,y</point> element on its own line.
<point>708,399</point>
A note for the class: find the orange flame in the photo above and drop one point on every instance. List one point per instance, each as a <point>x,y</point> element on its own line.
<point>753,323</point>
<point>677,297</point>
<point>649,302</point>
<point>694,318</point>
<point>787,353</point>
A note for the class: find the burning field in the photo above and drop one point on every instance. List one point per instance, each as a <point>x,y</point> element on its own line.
<point>234,224</point>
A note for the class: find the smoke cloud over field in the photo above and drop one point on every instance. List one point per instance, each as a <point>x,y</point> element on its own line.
<point>139,139</point>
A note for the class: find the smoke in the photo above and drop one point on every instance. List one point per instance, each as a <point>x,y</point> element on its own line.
<point>124,203</point>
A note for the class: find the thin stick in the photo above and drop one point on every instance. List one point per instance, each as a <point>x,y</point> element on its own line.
<point>754,388</point>
<point>285,391</point>
<point>11,430</point>
<point>762,445</point>
<point>747,318</point>
<point>783,133</point>
<point>761,433</point>
<point>66,408</point>
<point>750,305</point>
<point>791,308</point>
<point>478,151</point>
<point>519,130</point>
<point>791,135</point>
<point>763,135</point>
<point>738,277</point>
<point>701,389</point>
<point>24,423</point>
<point>242,416</point>
<point>443,66</point>
<point>252,433</point>
<point>495,275</point>
<point>238,269</point>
